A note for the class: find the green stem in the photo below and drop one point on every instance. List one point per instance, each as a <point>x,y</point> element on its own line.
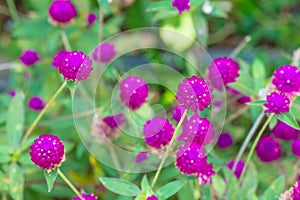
<point>254,145</point>
<point>240,47</point>
<point>13,11</point>
<point>65,40</point>
<point>168,149</point>
<point>68,182</point>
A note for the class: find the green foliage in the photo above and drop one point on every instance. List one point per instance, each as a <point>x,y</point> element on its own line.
<point>275,189</point>
<point>50,178</point>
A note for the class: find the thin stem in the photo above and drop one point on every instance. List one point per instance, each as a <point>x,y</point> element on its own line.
<point>240,47</point>
<point>13,11</point>
<point>45,109</point>
<point>168,149</point>
<point>68,182</point>
<point>65,40</point>
<point>254,145</point>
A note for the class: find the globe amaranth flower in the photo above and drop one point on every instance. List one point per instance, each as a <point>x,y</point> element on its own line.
<point>191,159</point>
<point>110,125</point>
<point>241,98</point>
<point>36,103</point>
<point>238,169</point>
<point>226,69</point>
<point>58,57</point>
<point>295,147</point>
<point>153,197</point>
<point>287,79</point>
<point>193,93</point>
<point>277,103</point>
<point>224,141</point>
<point>181,5</point>
<point>133,92</point>
<point>158,132</point>
<point>91,18</point>
<point>29,57</point>
<point>86,197</point>
<point>47,152</point>
<point>12,93</point>
<point>177,113</point>
<point>75,66</point>
<point>268,149</point>
<point>296,191</point>
<point>62,11</point>
<point>197,130</point>
<point>142,156</point>
<point>283,131</point>
<point>104,52</point>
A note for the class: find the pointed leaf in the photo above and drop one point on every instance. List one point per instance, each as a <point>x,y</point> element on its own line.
<point>50,178</point>
<point>145,183</point>
<point>169,189</point>
<point>16,186</point>
<point>119,186</point>
<point>275,189</point>
<point>289,119</point>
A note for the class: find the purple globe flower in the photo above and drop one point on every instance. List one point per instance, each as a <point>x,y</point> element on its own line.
<point>47,152</point>
<point>142,156</point>
<point>204,173</point>
<point>75,66</point>
<point>238,169</point>
<point>177,113</point>
<point>283,131</point>
<point>110,125</point>
<point>268,149</point>
<point>197,130</point>
<point>29,57</point>
<point>193,93</point>
<point>296,191</point>
<point>62,11</point>
<point>91,18</point>
<point>12,93</point>
<point>277,103</point>
<point>133,92</point>
<point>224,141</point>
<point>244,99</point>
<point>287,79</point>
<point>58,57</point>
<point>114,121</point>
<point>86,197</point>
<point>104,53</point>
<point>153,197</point>
<point>158,132</point>
<point>36,103</point>
<point>181,5</point>
<point>295,147</point>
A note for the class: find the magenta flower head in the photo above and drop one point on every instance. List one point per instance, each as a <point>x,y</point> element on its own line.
<point>12,93</point>
<point>91,18</point>
<point>296,191</point>
<point>277,103</point>
<point>177,113</point>
<point>181,5</point>
<point>61,12</point>
<point>110,125</point>
<point>268,149</point>
<point>197,130</point>
<point>86,197</point>
<point>75,66</point>
<point>133,92</point>
<point>104,52</point>
<point>58,57</point>
<point>47,152</point>
<point>153,197</point>
<point>142,156</point>
<point>283,131</point>
<point>193,93</point>
<point>287,79</point>
<point>158,132</point>
<point>239,167</point>
<point>224,141</point>
<point>295,147</point>
<point>36,103</point>
<point>29,57</point>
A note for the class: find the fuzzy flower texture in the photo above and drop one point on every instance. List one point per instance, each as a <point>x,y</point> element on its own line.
<point>268,149</point>
<point>47,152</point>
<point>181,5</point>
<point>285,132</point>
<point>277,103</point>
<point>62,11</point>
<point>86,197</point>
<point>287,79</point>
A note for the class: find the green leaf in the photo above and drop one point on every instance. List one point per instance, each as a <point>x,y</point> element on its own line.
<point>4,158</point>
<point>195,3</point>
<point>103,3</point>
<point>160,6</point>
<point>145,183</point>
<point>170,189</point>
<point>15,120</point>
<point>201,27</point>
<point>4,183</point>
<point>16,185</point>
<point>257,103</point>
<point>119,186</point>
<point>6,149</point>
<point>258,71</point>
<point>219,185</point>
<point>206,194</point>
<point>250,181</point>
<point>289,119</point>
<point>251,194</point>
<point>50,178</point>
<point>233,185</point>
<point>274,190</point>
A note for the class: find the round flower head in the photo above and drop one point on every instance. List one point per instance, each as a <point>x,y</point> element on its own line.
<point>36,103</point>
<point>296,191</point>
<point>204,173</point>
<point>287,79</point>
<point>197,130</point>
<point>91,18</point>
<point>12,93</point>
<point>238,169</point>
<point>141,157</point>
<point>133,92</point>
<point>193,93</point>
<point>224,141</point>
<point>295,147</point>
<point>268,149</point>
<point>114,121</point>
<point>181,5</point>
<point>153,197</point>
<point>75,66</point>
<point>177,113</point>
<point>104,53</point>
<point>47,152</point>
<point>283,131</point>
<point>58,57</point>
<point>62,11</point>
<point>158,132</point>
<point>277,103</point>
<point>29,57</point>
<point>86,197</point>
